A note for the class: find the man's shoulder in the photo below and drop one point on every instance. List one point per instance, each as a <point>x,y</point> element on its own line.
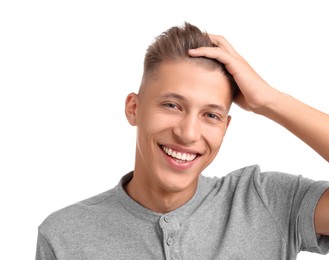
<point>252,175</point>
<point>80,212</point>
<point>246,172</point>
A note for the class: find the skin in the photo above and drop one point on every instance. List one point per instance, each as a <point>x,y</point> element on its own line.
<point>187,112</point>
<point>158,185</point>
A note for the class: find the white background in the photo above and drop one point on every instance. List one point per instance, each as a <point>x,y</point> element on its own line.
<point>67,66</point>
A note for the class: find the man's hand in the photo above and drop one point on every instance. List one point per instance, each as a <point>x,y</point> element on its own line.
<point>256,94</point>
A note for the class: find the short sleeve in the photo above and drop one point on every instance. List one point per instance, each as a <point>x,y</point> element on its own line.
<point>311,241</point>
<point>44,250</point>
<point>291,201</point>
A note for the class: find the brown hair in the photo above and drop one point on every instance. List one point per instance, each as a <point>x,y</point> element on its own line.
<point>173,45</point>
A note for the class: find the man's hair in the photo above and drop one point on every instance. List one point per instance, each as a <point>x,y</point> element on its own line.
<point>173,45</point>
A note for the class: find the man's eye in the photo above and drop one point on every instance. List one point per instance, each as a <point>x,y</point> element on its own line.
<point>213,116</point>
<point>170,105</point>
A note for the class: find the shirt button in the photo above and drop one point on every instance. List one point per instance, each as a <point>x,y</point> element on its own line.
<point>166,219</point>
<point>170,241</point>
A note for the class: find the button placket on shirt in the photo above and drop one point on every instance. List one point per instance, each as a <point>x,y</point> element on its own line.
<point>170,229</point>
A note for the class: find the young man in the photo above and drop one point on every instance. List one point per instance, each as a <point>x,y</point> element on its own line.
<point>165,208</point>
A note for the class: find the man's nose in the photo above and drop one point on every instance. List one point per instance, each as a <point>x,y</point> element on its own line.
<point>188,130</point>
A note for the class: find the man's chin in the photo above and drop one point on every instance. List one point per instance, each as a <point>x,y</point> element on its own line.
<point>178,184</point>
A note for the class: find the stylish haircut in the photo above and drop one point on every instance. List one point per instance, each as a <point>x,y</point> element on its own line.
<point>173,45</point>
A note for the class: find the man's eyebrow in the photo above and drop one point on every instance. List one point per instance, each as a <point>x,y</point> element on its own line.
<point>173,95</point>
<point>218,107</point>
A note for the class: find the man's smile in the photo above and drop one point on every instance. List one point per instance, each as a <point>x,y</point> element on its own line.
<point>179,156</point>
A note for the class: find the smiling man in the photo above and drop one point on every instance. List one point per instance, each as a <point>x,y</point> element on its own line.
<point>165,208</point>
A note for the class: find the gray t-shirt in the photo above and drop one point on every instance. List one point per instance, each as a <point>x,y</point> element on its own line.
<point>244,215</point>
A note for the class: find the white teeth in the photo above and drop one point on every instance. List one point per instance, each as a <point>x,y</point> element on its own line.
<point>178,155</point>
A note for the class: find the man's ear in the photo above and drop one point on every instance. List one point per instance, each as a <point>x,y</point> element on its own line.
<point>131,108</point>
<point>229,118</point>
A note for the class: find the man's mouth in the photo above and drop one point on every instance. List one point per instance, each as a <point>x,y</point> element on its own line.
<point>179,157</point>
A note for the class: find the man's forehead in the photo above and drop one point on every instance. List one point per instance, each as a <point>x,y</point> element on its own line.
<point>187,77</point>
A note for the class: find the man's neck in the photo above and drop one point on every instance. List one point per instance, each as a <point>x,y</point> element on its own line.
<point>157,200</point>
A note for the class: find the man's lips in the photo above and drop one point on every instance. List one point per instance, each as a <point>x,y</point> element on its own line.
<point>182,155</point>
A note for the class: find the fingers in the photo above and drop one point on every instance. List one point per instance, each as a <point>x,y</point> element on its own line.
<point>221,42</point>
<point>223,52</point>
<point>210,52</point>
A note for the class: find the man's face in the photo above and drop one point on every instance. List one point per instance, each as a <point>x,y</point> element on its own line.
<point>181,118</point>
